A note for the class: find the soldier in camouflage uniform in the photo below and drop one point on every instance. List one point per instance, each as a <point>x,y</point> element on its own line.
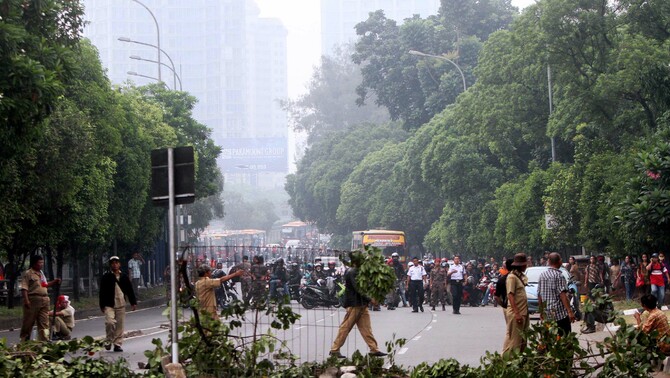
<point>246,279</point>
<point>259,277</point>
<point>438,285</point>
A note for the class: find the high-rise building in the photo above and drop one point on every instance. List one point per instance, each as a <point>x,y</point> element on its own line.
<point>339,17</point>
<point>230,59</point>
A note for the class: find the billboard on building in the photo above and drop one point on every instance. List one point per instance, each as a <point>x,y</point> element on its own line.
<point>257,154</point>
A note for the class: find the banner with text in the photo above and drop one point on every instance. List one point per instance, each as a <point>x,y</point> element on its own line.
<point>254,154</point>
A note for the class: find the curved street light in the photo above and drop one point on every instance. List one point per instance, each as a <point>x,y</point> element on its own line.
<point>174,70</point>
<point>158,37</point>
<point>175,77</point>
<point>133,73</point>
<point>419,53</point>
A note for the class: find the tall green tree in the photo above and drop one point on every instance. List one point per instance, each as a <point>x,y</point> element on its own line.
<point>315,188</point>
<point>37,58</point>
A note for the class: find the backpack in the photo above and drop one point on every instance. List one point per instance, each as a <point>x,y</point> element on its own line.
<point>501,290</point>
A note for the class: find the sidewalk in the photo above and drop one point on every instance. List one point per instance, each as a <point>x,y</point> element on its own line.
<point>15,323</point>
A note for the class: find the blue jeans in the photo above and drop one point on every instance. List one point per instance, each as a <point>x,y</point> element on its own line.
<point>659,293</point>
<point>273,289</point>
<point>485,300</point>
<point>630,287</point>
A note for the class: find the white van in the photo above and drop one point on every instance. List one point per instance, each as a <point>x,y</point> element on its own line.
<point>292,243</point>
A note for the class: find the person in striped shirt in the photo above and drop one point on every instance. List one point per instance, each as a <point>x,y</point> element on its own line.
<point>552,295</point>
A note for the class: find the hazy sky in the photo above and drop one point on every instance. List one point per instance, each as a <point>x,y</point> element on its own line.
<point>302,19</point>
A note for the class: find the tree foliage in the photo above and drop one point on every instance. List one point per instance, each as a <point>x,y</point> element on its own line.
<point>485,168</point>
<point>75,152</point>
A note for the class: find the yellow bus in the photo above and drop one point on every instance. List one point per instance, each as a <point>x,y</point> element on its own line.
<point>389,241</point>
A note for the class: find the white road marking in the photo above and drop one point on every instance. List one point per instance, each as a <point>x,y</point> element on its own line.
<point>434,320</point>
<point>428,328</point>
<point>417,338</point>
<point>320,320</point>
<point>301,327</point>
<point>402,351</point>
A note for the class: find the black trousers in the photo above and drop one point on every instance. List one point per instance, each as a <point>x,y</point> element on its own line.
<point>564,326</point>
<point>456,294</point>
<point>416,293</point>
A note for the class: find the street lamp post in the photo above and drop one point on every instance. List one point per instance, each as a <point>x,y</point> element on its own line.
<point>133,73</point>
<point>175,77</point>
<point>158,37</point>
<point>419,53</point>
<point>126,39</point>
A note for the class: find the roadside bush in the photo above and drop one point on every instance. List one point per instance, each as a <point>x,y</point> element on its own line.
<point>73,358</point>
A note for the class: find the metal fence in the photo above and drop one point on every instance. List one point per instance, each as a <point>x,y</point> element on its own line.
<point>232,255</point>
<point>309,339</point>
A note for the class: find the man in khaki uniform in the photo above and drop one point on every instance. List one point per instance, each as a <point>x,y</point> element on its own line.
<point>205,287</point>
<point>64,318</point>
<point>516,313</point>
<point>33,287</point>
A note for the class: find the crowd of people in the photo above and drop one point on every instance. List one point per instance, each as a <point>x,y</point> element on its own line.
<point>421,282</point>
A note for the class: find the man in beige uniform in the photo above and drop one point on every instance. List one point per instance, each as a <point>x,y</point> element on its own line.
<point>64,319</point>
<point>516,312</point>
<point>35,300</point>
<point>204,288</point>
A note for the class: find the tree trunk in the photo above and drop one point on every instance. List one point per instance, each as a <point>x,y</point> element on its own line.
<point>10,274</point>
<point>74,260</point>
<point>49,266</point>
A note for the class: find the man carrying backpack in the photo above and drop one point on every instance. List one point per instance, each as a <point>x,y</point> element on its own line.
<point>501,287</point>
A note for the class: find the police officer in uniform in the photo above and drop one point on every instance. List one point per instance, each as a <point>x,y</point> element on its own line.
<point>35,300</point>
<point>456,277</point>
<point>438,285</point>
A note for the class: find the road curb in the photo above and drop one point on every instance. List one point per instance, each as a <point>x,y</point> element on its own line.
<point>12,324</point>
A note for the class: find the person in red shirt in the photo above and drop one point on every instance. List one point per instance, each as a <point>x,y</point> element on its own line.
<point>657,277</point>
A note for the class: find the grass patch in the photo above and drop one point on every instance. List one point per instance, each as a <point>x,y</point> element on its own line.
<point>626,304</point>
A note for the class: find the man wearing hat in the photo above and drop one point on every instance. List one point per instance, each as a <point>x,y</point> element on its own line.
<point>115,286</point>
<point>516,313</point>
<point>63,320</point>
<point>204,288</point>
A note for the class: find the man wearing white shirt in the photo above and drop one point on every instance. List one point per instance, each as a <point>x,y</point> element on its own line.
<point>416,278</point>
<point>456,277</point>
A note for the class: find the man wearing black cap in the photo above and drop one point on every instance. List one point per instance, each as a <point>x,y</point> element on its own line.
<point>115,286</point>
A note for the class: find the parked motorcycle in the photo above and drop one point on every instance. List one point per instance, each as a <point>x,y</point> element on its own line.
<point>482,286</point>
<point>324,293</point>
<point>393,297</point>
<point>492,291</point>
<point>472,294</point>
<point>227,292</point>
<point>294,291</point>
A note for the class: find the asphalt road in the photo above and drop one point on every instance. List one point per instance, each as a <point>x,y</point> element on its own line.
<point>430,335</point>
